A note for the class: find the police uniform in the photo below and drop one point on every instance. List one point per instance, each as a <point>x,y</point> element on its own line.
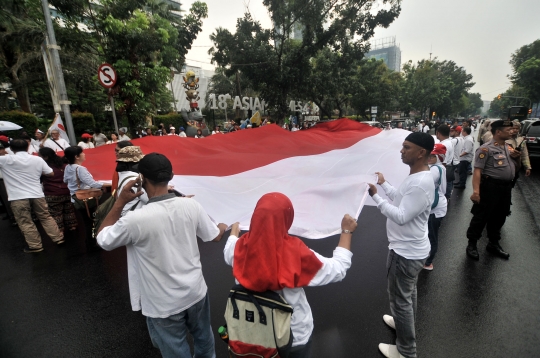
<point>498,171</point>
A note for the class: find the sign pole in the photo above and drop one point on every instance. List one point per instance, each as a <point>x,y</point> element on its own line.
<point>64,102</point>
<point>113,111</point>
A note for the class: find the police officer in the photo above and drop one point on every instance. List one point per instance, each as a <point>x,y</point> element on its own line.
<point>494,170</point>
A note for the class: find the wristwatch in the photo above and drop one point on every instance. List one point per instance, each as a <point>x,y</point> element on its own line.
<point>346,232</point>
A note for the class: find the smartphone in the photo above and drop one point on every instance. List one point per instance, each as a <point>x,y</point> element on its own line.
<point>177,193</point>
<point>139,183</point>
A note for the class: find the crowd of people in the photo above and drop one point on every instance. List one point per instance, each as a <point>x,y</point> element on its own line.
<point>165,275</point>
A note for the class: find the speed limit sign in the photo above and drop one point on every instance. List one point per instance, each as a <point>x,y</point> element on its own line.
<point>107,76</point>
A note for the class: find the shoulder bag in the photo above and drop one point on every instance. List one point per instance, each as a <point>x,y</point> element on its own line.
<point>83,197</point>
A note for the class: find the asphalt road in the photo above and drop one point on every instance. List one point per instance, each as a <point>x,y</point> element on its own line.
<point>65,302</point>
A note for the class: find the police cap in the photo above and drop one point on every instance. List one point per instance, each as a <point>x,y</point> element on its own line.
<point>501,123</point>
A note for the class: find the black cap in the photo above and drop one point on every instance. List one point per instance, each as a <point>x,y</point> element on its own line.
<point>423,140</point>
<point>156,167</point>
<point>502,123</point>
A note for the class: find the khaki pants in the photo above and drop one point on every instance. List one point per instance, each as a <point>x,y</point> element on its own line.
<point>22,209</point>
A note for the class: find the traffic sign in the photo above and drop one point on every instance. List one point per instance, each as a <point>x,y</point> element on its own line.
<point>107,75</point>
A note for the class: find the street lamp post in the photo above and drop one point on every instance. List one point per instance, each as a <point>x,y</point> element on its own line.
<point>59,76</point>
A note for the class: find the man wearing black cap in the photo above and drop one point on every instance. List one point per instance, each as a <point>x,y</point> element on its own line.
<point>407,230</point>
<point>494,170</point>
<point>166,282</point>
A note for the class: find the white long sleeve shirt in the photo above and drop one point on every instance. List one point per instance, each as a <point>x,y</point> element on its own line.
<point>334,269</point>
<point>408,215</point>
<point>449,157</point>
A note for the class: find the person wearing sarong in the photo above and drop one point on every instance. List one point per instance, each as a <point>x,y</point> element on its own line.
<point>57,193</point>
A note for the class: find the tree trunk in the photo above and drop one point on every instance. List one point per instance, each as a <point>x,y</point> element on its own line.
<point>22,92</point>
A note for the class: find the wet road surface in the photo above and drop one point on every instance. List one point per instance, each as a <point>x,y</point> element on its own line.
<point>65,302</point>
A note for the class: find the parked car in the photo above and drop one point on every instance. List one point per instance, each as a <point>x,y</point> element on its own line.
<point>525,125</point>
<point>533,139</point>
<point>406,123</point>
<point>372,123</point>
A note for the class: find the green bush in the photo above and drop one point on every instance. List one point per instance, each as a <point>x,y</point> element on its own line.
<point>82,121</point>
<point>175,119</point>
<point>28,121</point>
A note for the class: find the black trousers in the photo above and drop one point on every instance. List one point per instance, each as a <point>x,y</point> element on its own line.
<point>491,213</point>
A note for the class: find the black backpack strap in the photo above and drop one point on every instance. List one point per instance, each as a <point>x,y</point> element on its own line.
<point>262,315</point>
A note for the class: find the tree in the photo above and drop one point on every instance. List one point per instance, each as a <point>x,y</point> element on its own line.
<point>21,34</point>
<point>526,70</point>
<point>499,107</point>
<point>374,84</point>
<point>276,61</point>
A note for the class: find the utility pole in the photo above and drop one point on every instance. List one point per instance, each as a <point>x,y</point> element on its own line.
<point>59,76</point>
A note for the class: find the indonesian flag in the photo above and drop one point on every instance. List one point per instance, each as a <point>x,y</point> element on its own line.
<point>323,170</point>
<point>59,125</point>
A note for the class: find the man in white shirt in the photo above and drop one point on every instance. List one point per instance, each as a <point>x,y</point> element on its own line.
<point>168,285</point>
<point>55,142</point>
<point>122,134</point>
<point>39,141</point>
<point>182,133</point>
<point>457,141</point>
<point>425,129</point>
<point>465,157</point>
<point>442,134</point>
<point>99,138</point>
<point>22,173</point>
<point>172,131</point>
<point>407,230</point>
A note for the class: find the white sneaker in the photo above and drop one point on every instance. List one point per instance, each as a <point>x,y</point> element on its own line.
<point>389,350</point>
<point>389,320</point>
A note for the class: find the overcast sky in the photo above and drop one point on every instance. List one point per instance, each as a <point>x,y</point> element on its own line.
<point>478,35</point>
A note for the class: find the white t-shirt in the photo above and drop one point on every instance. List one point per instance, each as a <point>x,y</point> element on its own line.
<point>425,129</point>
<point>449,157</point>
<point>440,209</point>
<point>123,137</point>
<point>163,235</point>
<point>182,134</point>
<point>458,149</point>
<point>84,145</point>
<point>100,139</point>
<point>21,173</point>
<point>333,269</point>
<point>49,143</point>
<point>407,224</point>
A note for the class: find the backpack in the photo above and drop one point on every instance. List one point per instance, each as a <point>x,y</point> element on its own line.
<point>258,324</point>
<point>103,210</point>
<point>436,201</point>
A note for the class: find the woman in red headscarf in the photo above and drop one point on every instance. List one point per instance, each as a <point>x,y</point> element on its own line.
<point>268,258</point>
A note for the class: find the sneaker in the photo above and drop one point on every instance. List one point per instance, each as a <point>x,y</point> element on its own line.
<point>389,320</point>
<point>60,242</point>
<point>28,250</point>
<point>389,350</point>
<point>429,267</point>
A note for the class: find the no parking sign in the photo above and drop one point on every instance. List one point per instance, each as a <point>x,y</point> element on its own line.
<point>107,75</point>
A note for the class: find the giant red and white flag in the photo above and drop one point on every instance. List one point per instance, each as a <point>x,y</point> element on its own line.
<point>323,170</point>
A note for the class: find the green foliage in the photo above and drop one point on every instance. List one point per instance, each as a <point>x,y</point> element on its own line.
<point>28,121</point>
<point>526,70</point>
<point>82,122</point>
<point>499,107</point>
<point>277,64</point>
<point>437,85</point>
<point>172,118</point>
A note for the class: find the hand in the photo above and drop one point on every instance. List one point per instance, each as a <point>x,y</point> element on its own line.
<point>372,189</point>
<point>348,223</point>
<point>527,172</point>
<point>222,226</point>
<point>235,229</point>
<point>128,194</point>
<point>170,187</point>
<point>515,154</point>
<point>380,178</point>
<point>475,198</point>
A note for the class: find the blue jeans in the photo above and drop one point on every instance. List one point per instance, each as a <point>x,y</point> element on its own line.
<point>433,233</point>
<point>169,334</point>
<point>402,277</point>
